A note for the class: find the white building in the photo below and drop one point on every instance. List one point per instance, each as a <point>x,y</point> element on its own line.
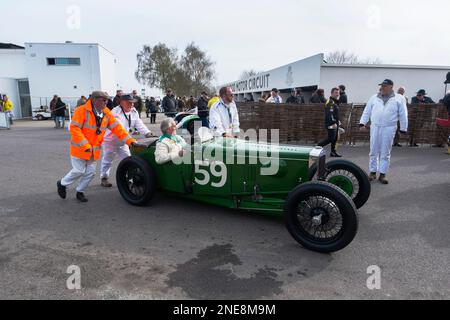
<point>361,80</point>
<point>31,75</point>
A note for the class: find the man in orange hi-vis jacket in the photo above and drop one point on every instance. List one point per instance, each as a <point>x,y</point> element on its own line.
<point>87,129</point>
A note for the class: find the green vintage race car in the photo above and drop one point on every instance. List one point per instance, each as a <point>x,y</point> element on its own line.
<point>317,200</point>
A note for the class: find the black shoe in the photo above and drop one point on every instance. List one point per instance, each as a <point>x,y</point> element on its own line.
<point>437,146</point>
<point>398,145</point>
<point>414,145</point>
<point>81,197</point>
<point>334,154</point>
<point>61,190</point>
<point>383,179</point>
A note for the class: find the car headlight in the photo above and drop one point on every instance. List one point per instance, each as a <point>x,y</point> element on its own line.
<point>318,155</point>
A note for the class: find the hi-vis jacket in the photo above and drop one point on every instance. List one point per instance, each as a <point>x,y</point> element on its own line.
<point>386,114</point>
<point>86,141</point>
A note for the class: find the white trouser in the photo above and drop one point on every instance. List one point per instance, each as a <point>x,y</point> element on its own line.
<point>381,141</point>
<point>110,151</point>
<point>81,169</point>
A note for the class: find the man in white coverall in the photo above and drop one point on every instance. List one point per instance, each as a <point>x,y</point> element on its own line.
<point>384,110</point>
<point>129,118</point>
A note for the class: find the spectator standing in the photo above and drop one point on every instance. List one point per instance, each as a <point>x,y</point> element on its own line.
<point>7,107</point>
<point>318,97</point>
<point>169,104</point>
<point>224,117</point>
<point>203,111</point>
<point>116,100</point>
<point>293,99</point>
<point>110,104</point>
<point>275,97</point>
<point>53,103</point>
<point>139,105</point>
<point>401,91</point>
<point>300,96</point>
<point>181,104</point>
<point>60,113</point>
<point>213,100</point>
<point>191,104</point>
<point>342,95</point>
<point>420,98</point>
<point>153,108</point>
<point>81,101</point>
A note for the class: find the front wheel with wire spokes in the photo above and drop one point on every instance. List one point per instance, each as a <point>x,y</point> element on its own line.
<point>348,177</point>
<point>321,217</point>
<point>136,181</point>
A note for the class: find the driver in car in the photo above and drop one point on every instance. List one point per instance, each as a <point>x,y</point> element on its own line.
<point>170,145</point>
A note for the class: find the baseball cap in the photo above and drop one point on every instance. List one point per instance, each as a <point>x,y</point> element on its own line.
<point>387,82</point>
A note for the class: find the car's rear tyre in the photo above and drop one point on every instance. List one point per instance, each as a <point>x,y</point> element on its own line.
<point>136,181</point>
<point>40,117</point>
<point>321,217</point>
<point>349,177</point>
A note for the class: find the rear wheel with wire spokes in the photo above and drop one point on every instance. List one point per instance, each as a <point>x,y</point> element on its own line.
<point>321,217</point>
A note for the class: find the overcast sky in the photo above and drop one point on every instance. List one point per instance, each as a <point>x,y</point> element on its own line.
<point>239,35</point>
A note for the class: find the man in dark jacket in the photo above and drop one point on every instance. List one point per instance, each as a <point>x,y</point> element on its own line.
<point>300,96</point>
<point>318,97</point>
<point>332,122</point>
<point>153,109</point>
<point>60,113</point>
<point>203,111</point>
<point>342,95</point>
<point>116,101</point>
<point>421,98</point>
<point>139,105</point>
<point>169,104</point>
<point>293,99</point>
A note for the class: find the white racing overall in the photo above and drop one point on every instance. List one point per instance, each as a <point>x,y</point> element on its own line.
<point>384,118</point>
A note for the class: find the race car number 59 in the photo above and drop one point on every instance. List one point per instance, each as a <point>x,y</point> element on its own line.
<point>201,169</point>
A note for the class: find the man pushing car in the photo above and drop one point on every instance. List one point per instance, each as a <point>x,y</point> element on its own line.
<point>129,118</point>
<point>87,129</point>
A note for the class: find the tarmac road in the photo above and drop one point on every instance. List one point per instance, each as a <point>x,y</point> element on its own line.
<point>178,249</point>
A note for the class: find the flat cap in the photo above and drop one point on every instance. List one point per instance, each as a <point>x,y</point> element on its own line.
<point>99,94</point>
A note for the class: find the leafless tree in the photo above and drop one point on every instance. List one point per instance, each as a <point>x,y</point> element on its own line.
<point>344,57</point>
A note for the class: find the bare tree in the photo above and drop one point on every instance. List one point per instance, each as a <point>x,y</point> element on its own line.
<point>344,57</point>
<point>197,67</point>
<point>157,66</point>
<point>248,73</point>
<point>160,67</point>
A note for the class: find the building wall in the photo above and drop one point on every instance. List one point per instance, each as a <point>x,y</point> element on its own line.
<point>108,78</point>
<point>12,63</point>
<point>302,73</point>
<point>69,82</point>
<point>9,87</point>
<point>362,82</point>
